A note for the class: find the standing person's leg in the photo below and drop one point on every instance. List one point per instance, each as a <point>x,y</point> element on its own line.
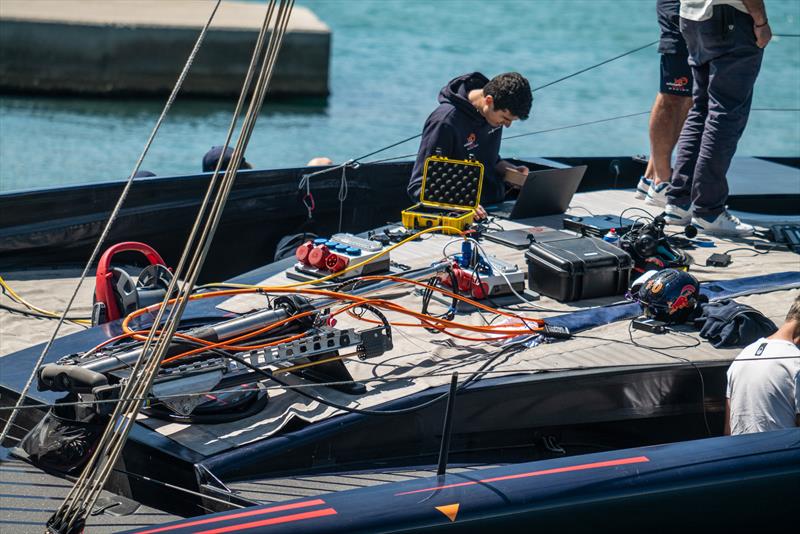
<point>671,104</point>
<point>666,121</point>
<point>731,81</point>
<point>679,193</point>
<point>730,97</point>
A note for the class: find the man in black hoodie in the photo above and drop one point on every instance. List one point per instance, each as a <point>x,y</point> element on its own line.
<point>472,111</point>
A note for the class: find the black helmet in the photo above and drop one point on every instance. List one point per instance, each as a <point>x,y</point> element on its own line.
<point>669,296</point>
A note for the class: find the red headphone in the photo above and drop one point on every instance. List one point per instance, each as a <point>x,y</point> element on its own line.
<point>115,292</point>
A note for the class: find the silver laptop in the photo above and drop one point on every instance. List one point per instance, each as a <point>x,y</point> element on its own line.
<point>546,192</point>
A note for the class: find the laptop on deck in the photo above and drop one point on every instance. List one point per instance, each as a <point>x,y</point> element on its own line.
<point>546,192</point>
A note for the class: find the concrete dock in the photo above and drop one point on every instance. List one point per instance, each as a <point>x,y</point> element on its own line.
<point>138,48</point>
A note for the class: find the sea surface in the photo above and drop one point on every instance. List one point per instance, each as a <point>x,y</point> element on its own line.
<point>389,60</point>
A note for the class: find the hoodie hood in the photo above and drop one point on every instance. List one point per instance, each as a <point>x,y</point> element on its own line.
<point>457,90</point>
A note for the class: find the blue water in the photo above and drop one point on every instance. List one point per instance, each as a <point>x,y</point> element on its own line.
<point>388,62</point>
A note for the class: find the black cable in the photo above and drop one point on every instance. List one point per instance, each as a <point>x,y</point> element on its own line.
<point>533,90</point>
<point>618,117</point>
<point>375,311</point>
<point>389,159</point>
<point>472,378</point>
<point>427,293</point>
<point>755,252</point>
<point>387,147</point>
<point>594,66</point>
<point>577,125</point>
<point>671,331</point>
<point>649,215</point>
<point>30,313</point>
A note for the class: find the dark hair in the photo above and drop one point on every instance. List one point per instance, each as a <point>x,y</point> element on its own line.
<point>512,92</point>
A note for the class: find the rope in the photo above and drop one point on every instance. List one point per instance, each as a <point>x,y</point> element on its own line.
<point>114,213</point>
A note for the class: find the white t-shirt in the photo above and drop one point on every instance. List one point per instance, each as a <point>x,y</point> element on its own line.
<point>703,9</point>
<point>764,387</point>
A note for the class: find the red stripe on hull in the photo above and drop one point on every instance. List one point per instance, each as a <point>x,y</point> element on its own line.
<point>260,511</point>
<point>271,521</point>
<point>581,467</point>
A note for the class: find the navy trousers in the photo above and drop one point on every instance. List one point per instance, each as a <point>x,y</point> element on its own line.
<point>725,61</point>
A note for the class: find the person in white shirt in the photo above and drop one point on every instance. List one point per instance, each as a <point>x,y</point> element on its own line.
<point>764,382</point>
<point>725,40</point>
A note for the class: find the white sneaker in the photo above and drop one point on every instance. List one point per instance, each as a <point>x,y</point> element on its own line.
<point>677,215</point>
<point>642,187</point>
<point>723,224</point>
<point>657,194</point>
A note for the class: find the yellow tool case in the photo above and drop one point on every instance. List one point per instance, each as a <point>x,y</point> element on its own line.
<point>451,190</point>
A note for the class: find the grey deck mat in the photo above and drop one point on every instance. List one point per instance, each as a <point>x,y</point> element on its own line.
<point>421,360</point>
<point>28,497</point>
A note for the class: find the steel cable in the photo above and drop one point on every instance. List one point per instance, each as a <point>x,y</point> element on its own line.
<point>145,380</point>
<point>140,381</point>
<point>113,216</point>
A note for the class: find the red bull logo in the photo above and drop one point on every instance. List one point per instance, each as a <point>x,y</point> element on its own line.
<point>682,301</point>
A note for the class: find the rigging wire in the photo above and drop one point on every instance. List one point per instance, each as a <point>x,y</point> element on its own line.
<point>609,119</point>
<point>71,515</point>
<point>548,84</point>
<point>114,212</point>
<point>595,66</point>
<point>355,161</point>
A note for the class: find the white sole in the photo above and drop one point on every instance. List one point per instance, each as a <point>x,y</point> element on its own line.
<point>650,201</point>
<point>677,223</point>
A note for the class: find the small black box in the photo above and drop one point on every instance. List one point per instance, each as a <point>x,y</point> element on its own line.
<point>718,260</point>
<point>597,225</point>
<point>575,269</point>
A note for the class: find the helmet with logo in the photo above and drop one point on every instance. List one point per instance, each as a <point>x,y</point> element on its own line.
<point>669,296</point>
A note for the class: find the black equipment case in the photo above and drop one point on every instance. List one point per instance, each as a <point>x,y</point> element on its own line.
<point>578,268</point>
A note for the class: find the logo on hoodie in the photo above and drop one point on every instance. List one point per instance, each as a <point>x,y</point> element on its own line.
<point>471,142</point>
